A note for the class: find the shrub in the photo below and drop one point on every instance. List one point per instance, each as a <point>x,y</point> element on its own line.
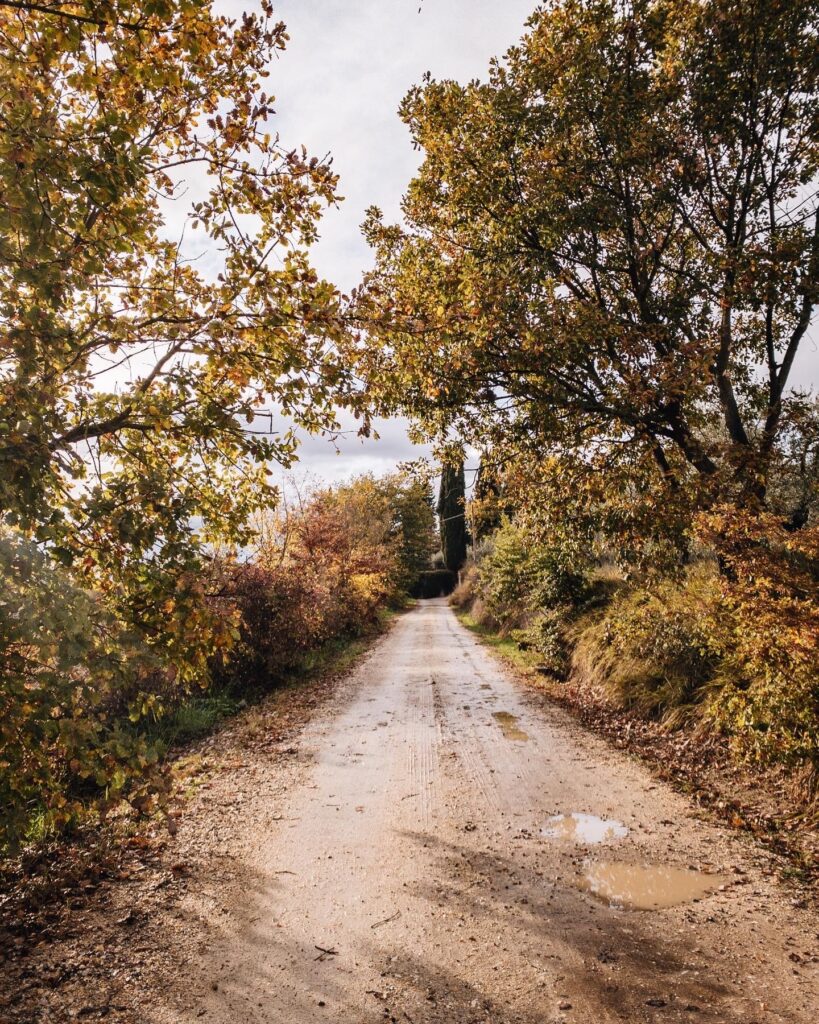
<point>278,624</point>
<point>734,641</point>
<point>654,650</point>
<point>519,576</point>
<point>766,622</point>
<point>89,704</point>
<point>287,613</point>
<point>465,592</point>
<point>546,635</point>
<point>65,662</point>
<point>323,573</point>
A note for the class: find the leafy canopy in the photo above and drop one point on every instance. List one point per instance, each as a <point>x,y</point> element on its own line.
<point>611,250</point>
<point>130,374</point>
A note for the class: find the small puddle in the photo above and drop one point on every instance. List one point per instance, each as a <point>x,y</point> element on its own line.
<point>583,828</point>
<point>646,886</point>
<point>509,726</point>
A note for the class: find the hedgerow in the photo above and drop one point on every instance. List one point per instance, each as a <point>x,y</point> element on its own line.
<point>92,694</point>
<point>727,644</point>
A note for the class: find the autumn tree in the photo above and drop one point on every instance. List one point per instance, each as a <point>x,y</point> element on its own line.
<point>610,256</point>
<point>452,515</point>
<point>391,518</point>
<point>413,511</point>
<point>155,298</point>
<point>129,373</point>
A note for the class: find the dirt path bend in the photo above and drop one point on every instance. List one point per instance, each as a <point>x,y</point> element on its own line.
<point>408,870</point>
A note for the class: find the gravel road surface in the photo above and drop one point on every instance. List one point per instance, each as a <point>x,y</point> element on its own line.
<point>443,849</point>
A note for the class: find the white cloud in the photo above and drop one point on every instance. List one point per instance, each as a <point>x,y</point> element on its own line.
<point>338,86</point>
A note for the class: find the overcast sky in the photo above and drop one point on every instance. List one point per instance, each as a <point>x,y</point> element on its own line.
<point>338,85</point>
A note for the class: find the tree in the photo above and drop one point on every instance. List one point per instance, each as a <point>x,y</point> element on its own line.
<point>155,297</point>
<point>452,515</point>
<point>390,517</point>
<point>131,379</point>
<point>414,517</point>
<point>487,506</point>
<point>611,251</point>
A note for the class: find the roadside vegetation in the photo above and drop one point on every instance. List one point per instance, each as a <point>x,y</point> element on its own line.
<point>320,576</point>
<point>723,648</point>
<point>138,383</point>
<point>150,578</point>
<point>81,739</point>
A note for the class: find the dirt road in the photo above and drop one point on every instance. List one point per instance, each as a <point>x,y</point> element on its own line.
<point>414,866</point>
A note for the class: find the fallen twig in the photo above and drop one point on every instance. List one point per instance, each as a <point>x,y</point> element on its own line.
<point>324,953</point>
<point>387,920</point>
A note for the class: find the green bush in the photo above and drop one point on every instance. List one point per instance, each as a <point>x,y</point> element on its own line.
<point>65,662</point>
<point>547,636</point>
<point>519,576</point>
<point>654,650</point>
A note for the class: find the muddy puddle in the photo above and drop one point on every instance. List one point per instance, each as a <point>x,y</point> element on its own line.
<point>509,726</point>
<point>646,886</point>
<point>583,828</point>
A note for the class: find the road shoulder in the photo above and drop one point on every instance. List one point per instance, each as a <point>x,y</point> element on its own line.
<point>753,802</point>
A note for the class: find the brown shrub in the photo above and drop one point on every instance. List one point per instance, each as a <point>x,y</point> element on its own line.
<point>464,594</point>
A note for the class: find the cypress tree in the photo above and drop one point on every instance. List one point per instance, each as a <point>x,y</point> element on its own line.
<point>452,515</point>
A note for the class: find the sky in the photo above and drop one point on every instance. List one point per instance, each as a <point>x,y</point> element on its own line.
<point>338,86</point>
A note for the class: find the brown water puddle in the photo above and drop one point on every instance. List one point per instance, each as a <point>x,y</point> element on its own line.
<point>583,828</point>
<point>646,886</point>
<point>509,726</point>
